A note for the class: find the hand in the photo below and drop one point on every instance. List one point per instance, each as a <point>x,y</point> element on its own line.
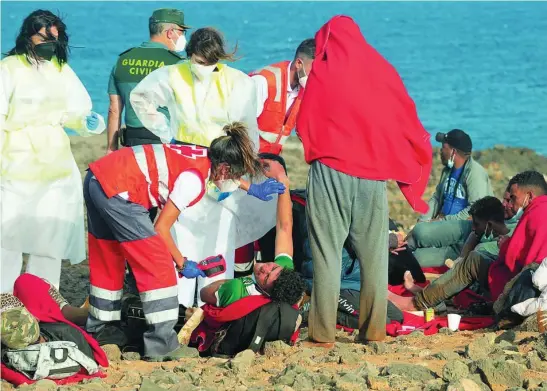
<point>263,191</point>
<point>273,169</point>
<point>92,121</point>
<point>401,242</point>
<point>190,269</point>
<point>502,239</point>
<point>395,251</point>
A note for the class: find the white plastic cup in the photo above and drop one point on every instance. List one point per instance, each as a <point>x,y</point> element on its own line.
<point>454,322</point>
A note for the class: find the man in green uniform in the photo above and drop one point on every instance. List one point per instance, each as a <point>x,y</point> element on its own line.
<point>167,42</point>
<point>278,280</point>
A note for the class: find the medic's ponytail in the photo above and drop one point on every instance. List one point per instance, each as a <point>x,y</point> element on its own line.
<point>235,149</point>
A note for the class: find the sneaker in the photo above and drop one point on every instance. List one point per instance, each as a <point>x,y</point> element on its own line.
<point>180,352</point>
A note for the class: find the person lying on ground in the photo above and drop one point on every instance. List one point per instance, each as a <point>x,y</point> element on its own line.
<point>278,280</point>
<point>528,198</point>
<point>442,231</point>
<point>119,190</point>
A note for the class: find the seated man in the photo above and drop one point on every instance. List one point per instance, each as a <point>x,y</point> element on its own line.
<point>528,198</point>
<point>441,232</point>
<point>278,280</point>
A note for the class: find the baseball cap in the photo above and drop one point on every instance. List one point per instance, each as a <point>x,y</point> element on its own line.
<point>18,328</point>
<point>456,138</point>
<point>168,15</point>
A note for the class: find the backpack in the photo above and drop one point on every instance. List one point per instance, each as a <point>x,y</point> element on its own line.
<point>271,322</point>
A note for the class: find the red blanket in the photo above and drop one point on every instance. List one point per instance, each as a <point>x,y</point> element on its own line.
<point>357,117</point>
<point>527,244</point>
<point>34,294</point>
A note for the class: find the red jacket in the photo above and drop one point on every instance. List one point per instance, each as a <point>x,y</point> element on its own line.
<point>527,244</point>
<point>148,172</point>
<point>356,116</point>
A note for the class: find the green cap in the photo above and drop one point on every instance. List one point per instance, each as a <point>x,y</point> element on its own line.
<point>168,15</point>
<point>18,328</point>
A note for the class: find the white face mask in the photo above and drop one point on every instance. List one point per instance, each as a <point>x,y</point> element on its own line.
<point>490,236</point>
<point>302,80</point>
<point>520,212</point>
<point>202,72</point>
<point>450,162</point>
<point>227,185</point>
<point>180,45</point>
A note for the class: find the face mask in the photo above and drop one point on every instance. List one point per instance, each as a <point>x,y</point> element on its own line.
<point>46,50</point>
<point>520,212</point>
<point>180,45</point>
<point>512,220</point>
<point>227,185</point>
<point>202,72</point>
<point>490,236</point>
<point>303,79</point>
<point>450,162</point>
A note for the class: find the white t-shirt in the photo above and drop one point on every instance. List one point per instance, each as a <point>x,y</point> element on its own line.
<point>262,92</point>
<point>187,188</point>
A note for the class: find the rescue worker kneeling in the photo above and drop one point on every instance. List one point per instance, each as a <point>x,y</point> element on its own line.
<point>119,190</point>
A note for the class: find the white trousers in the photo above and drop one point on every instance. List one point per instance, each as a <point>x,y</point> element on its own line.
<point>43,267</point>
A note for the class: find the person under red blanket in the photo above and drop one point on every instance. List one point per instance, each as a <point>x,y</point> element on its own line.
<point>528,194</point>
<point>359,128</point>
<point>277,280</point>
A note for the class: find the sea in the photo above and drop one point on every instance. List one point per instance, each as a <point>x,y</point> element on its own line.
<point>477,66</point>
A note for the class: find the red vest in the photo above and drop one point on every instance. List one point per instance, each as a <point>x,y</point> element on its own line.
<point>275,123</point>
<point>148,172</point>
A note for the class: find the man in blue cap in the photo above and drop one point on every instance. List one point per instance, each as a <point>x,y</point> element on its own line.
<point>167,42</point>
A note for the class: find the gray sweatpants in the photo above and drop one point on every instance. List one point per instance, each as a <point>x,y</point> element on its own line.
<point>338,207</point>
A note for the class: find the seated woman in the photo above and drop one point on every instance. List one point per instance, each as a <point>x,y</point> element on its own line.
<point>528,194</point>
<point>278,280</point>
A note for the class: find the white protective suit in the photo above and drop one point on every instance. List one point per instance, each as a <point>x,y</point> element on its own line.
<point>41,189</point>
<point>198,111</point>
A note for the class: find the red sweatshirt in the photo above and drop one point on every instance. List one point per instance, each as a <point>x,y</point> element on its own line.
<point>356,116</point>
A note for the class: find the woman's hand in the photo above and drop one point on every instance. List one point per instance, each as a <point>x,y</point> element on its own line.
<point>263,191</point>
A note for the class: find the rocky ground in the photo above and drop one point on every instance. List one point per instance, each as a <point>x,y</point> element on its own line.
<point>480,360</point>
<point>461,361</point>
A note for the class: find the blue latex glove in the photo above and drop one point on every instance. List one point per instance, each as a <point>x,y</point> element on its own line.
<point>92,121</point>
<point>192,270</point>
<point>263,191</point>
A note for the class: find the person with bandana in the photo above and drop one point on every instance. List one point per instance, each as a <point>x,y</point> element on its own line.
<point>41,197</point>
<point>441,232</point>
<point>165,47</point>
<point>279,89</point>
<point>528,244</point>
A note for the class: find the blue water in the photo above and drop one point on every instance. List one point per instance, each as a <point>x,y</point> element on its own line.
<point>480,66</point>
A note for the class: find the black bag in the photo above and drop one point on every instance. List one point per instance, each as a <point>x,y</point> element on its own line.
<point>59,331</point>
<point>522,290</point>
<point>271,322</point>
<point>348,310</point>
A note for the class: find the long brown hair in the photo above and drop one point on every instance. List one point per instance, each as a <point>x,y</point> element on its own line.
<point>209,43</point>
<point>235,149</point>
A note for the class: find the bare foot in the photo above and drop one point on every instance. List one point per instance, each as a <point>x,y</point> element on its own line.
<point>409,283</point>
<point>401,302</point>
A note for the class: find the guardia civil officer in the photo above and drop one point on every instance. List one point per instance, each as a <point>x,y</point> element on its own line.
<point>167,41</point>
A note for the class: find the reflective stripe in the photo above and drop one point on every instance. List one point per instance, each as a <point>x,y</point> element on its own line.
<point>107,316</point>
<point>158,294</point>
<point>163,170</point>
<point>105,294</point>
<point>277,74</point>
<point>162,316</point>
<point>272,137</point>
<point>140,157</point>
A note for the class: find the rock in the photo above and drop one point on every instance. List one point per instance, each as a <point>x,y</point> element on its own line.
<point>481,347</point>
<point>242,361</point>
<point>283,388</point>
<point>500,373</point>
<point>350,382</point>
<point>131,356</point>
<point>378,383</point>
<point>509,336</point>
<point>368,369</point>
<point>529,324</point>
<point>435,385</point>
<point>464,385</point>
<point>130,378</point>
<point>531,384</point>
<point>533,361</point>
<point>506,346</point>
<point>540,346</point>
<point>409,372</point>
<point>377,347</point>
<point>162,377</point>
<point>94,386</point>
<point>424,353</point>
<point>445,331</point>
<point>350,358</point>
<point>455,370</point>
<point>5,386</point>
<point>447,355</point>
<point>113,352</point>
<point>40,385</point>
<point>276,348</point>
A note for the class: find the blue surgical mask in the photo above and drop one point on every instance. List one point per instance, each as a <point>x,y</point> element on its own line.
<point>520,212</point>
